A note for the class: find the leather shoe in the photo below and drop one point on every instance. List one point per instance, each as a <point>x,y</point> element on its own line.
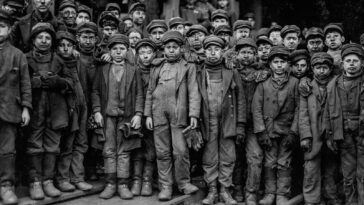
<point>36,191</point>
<point>66,186</point>
<point>165,193</point>
<point>189,188</point>
<point>124,191</point>
<point>147,189</point>
<point>137,186</point>
<point>83,186</point>
<point>7,194</point>
<point>109,191</point>
<point>50,190</point>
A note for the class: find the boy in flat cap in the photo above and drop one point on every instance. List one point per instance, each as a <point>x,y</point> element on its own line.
<point>50,115</point>
<point>291,37</point>
<point>251,74</point>
<point>344,119</point>
<point>223,113</point>
<point>225,33</point>
<point>300,64</point>
<point>137,12</point>
<point>15,104</point>
<point>275,108</point>
<point>219,17</point>
<point>177,24</point>
<point>264,45</point>
<point>195,36</point>
<point>315,40</point>
<point>172,104</point>
<point>225,5</point>
<point>274,34</point>
<point>144,158</point>
<point>84,15</point>
<point>156,29</point>
<point>312,131</point>
<point>334,40</point>
<point>117,103</point>
<point>74,144</point>
<point>68,13</point>
<point>134,35</point>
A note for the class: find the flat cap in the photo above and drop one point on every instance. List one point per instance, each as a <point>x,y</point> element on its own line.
<point>66,35</point>
<point>243,42</point>
<point>87,27</point>
<point>213,40</point>
<point>85,9</point>
<point>145,42</point>
<point>263,39</point>
<point>219,13</point>
<point>196,28</point>
<point>67,3</point>
<point>314,32</point>
<point>175,21</point>
<point>118,38</point>
<point>299,55</point>
<point>5,16</point>
<point>157,23</point>
<point>278,51</point>
<point>173,36</point>
<point>135,30</point>
<point>333,27</point>
<point>262,32</point>
<point>321,58</point>
<point>42,27</point>
<point>137,7</point>
<point>274,28</point>
<point>290,29</point>
<point>14,3</point>
<point>112,6</point>
<point>362,39</point>
<point>127,17</point>
<point>242,24</point>
<point>223,29</point>
<point>108,19</point>
<point>352,48</point>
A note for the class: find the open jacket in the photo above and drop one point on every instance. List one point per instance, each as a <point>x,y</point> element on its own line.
<point>233,105</point>
<point>311,120</point>
<point>276,110</point>
<point>187,95</point>
<point>15,86</point>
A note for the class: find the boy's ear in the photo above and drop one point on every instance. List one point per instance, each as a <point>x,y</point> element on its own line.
<point>342,39</point>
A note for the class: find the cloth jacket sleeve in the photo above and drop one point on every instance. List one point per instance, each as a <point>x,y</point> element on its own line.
<point>148,97</point>
<point>139,104</point>
<point>304,125</point>
<point>96,95</point>
<point>194,96</point>
<point>257,109</point>
<point>294,126</point>
<point>25,85</point>
<point>241,103</point>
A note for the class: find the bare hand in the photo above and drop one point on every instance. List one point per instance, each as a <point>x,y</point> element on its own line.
<point>98,119</point>
<point>193,123</point>
<point>306,145</point>
<point>331,144</point>
<point>75,53</point>
<point>149,123</point>
<point>106,57</point>
<point>25,117</point>
<point>136,122</point>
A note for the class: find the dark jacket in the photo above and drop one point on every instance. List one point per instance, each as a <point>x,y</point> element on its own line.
<point>15,86</point>
<point>311,120</point>
<point>233,105</point>
<point>276,110</point>
<point>187,95</point>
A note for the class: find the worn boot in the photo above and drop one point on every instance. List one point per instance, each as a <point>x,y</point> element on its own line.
<point>124,191</point>
<point>83,186</point>
<point>225,196</point>
<point>165,193</point>
<point>270,185</point>
<point>65,186</point>
<point>36,191</point>
<point>50,190</point>
<point>212,196</point>
<point>283,186</point>
<point>7,193</point>
<point>147,189</point>
<point>189,188</point>
<point>137,179</point>
<point>238,193</point>
<point>137,186</point>
<point>250,198</point>
<point>282,200</point>
<point>110,188</point>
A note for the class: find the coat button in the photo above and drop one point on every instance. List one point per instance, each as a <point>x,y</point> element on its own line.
<point>229,96</point>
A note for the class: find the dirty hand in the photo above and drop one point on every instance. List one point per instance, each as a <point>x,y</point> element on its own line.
<point>25,117</point>
<point>305,87</point>
<point>193,123</point>
<point>240,139</point>
<point>75,53</point>
<point>264,141</point>
<point>149,123</point>
<point>306,145</point>
<point>36,82</point>
<point>289,140</point>
<point>136,122</point>
<point>332,145</point>
<point>106,57</point>
<point>99,120</point>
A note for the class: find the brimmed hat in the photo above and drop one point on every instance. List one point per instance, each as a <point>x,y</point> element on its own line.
<point>278,51</point>
<point>145,42</point>
<point>213,40</point>
<point>157,23</point>
<point>243,42</point>
<point>109,6</point>
<point>87,26</point>
<point>137,7</point>
<point>196,28</point>
<point>333,27</point>
<point>65,35</point>
<point>290,29</point>
<point>352,48</point>
<point>173,36</point>
<point>322,57</point>
<point>43,27</point>
<point>314,32</point>
<point>118,38</point>
<point>263,39</point>
<point>67,3</point>
<point>219,13</point>
<point>107,19</point>
<point>175,21</point>
<point>223,29</point>
<point>242,24</point>
<point>299,55</point>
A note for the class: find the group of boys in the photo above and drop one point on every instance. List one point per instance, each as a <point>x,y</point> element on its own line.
<point>73,84</point>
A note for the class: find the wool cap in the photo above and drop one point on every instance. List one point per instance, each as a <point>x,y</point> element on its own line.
<point>145,42</point>
<point>299,55</point>
<point>135,30</point>
<point>118,38</point>
<point>42,27</point>
<point>112,6</point>
<point>352,48</point>
<point>175,21</point>
<point>362,39</point>
<point>262,32</point>
<point>219,13</point>
<point>157,23</point>
<point>274,28</point>
<point>242,24</point>
<point>87,26</point>
<point>290,29</point>
<point>173,36</point>
<point>213,40</point>
<point>278,51</point>
<point>108,19</point>
<point>314,32</point>
<point>223,29</point>
<point>127,17</point>
<point>321,58</point>
<point>137,7</point>
<point>66,35</point>
<point>196,28</point>
<point>244,42</point>
<point>85,9</point>
<point>5,16</point>
<point>67,3</point>
<point>263,39</point>
<point>333,27</point>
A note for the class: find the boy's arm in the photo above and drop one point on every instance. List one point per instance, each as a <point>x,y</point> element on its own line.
<point>257,109</point>
<point>148,97</point>
<point>294,126</point>
<point>25,85</point>
<point>95,94</point>
<point>139,104</point>
<point>194,98</point>
<point>241,103</point>
<point>304,126</point>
